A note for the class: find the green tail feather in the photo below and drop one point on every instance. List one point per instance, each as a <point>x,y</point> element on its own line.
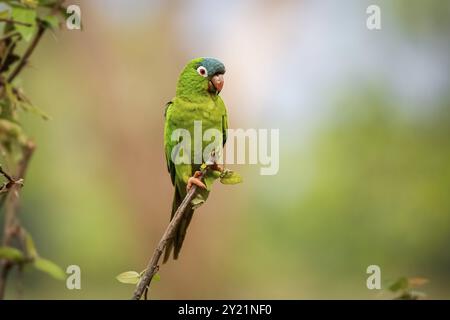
<point>176,242</point>
<point>181,232</point>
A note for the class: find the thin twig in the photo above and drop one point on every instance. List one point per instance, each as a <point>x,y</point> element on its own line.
<point>6,175</point>
<point>27,54</point>
<point>153,267</point>
<point>9,35</point>
<point>146,293</point>
<point>25,24</point>
<point>9,50</point>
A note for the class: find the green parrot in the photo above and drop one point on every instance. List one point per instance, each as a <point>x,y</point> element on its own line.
<point>197,99</point>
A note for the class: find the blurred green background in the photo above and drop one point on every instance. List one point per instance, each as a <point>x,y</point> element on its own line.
<point>364,119</point>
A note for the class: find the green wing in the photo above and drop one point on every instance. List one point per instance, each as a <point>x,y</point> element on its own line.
<point>224,128</point>
<point>168,144</point>
<point>167,148</point>
<point>224,122</point>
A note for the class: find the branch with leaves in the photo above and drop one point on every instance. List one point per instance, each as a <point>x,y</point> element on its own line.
<point>22,22</point>
<point>208,174</point>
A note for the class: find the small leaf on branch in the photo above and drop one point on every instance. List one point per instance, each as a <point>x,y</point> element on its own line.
<point>400,284</point>
<point>230,177</point>
<point>30,246</point>
<point>27,106</point>
<point>17,98</point>
<point>25,16</point>
<point>129,277</point>
<point>11,254</point>
<point>50,268</point>
<point>156,277</point>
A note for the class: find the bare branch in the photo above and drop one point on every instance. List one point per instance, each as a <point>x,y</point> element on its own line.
<point>153,267</point>
<point>15,22</point>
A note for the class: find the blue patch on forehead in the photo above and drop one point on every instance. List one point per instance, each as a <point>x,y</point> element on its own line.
<point>213,66</point>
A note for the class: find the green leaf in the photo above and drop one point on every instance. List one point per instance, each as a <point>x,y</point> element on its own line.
<point>51,22</point>
<point>30,246</point>
<point>230,177</point>
<point>11,254</point>
<point>50,268</point>
<point>24,15</point>
<point>129,277</point>
<point>400,284</point>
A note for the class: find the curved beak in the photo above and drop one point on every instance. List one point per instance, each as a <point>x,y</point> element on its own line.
<point>217,81</point>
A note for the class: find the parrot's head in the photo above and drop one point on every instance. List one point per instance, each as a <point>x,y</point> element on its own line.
<point>201,76</point>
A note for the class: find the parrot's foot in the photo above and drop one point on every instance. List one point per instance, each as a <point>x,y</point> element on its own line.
<point>195,180</point>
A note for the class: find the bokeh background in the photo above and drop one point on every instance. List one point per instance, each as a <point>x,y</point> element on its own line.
<point>364,119</point>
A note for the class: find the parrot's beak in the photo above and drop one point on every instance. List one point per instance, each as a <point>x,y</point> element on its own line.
<point>217,81</point>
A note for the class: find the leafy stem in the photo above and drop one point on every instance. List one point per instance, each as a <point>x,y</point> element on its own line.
<point>23,23</point>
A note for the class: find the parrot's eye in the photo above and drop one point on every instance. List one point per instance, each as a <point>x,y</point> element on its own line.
<point>202,71</point>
